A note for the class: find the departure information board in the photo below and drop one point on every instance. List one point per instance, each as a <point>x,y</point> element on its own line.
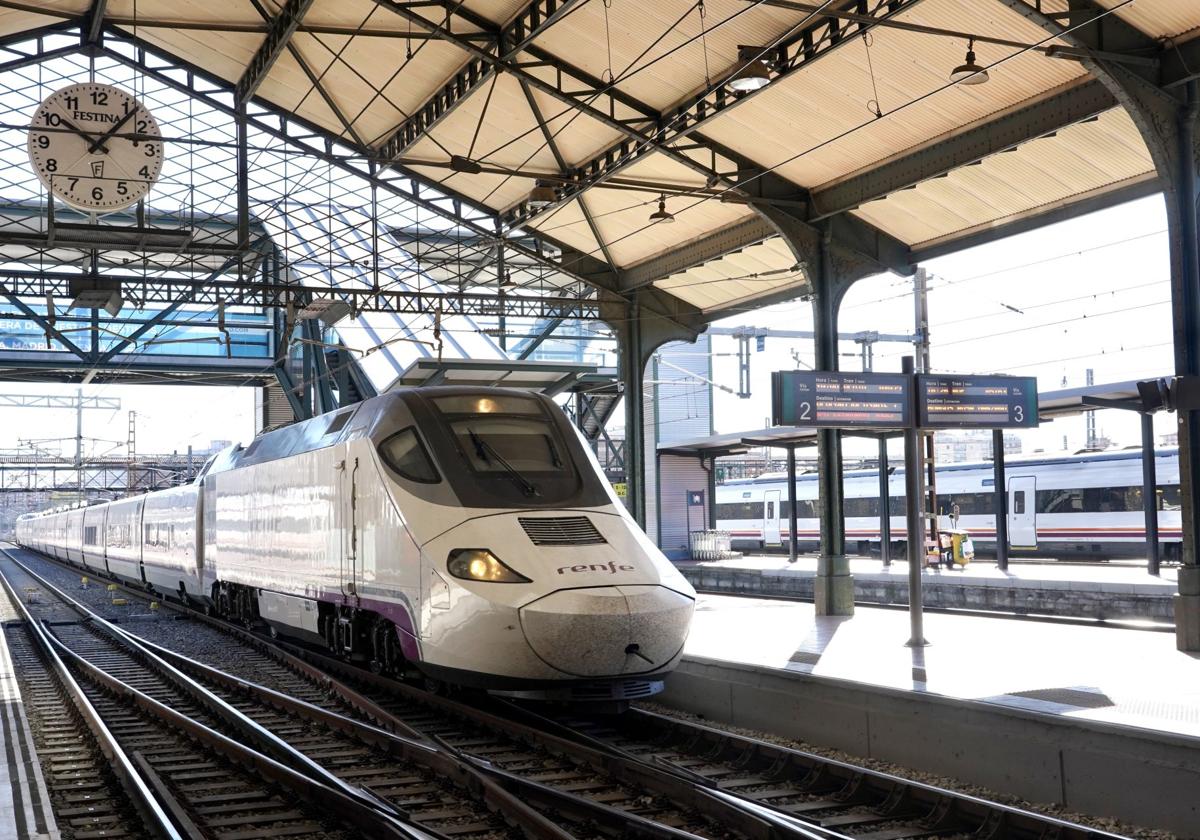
<point>986,402</point>
<point>841,400</point>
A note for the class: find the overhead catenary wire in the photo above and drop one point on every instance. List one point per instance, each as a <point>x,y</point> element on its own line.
<point>738,184</point>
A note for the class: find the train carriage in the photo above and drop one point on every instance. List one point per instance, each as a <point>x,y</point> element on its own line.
<point>1085,505</point>
<point>463,533</point>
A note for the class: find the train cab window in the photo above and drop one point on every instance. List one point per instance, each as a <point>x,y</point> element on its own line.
<point>405,454</point>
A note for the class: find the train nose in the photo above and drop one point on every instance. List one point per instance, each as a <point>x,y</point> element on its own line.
<point>607,630</point>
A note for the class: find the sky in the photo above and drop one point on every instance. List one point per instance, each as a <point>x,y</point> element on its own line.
<point>1090,292</point>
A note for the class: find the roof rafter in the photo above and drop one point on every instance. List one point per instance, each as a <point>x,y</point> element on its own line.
<point>507,41</point>
<point>95,21</point>
<point>411,187</point>
<point>1005,130</point>
<point>889,253</point>
<point>800,49</point>
<point>1000,132</point>
<point>280,33</point>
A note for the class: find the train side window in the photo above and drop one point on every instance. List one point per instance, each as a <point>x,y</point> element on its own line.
<point>1168,497</point>
<point>1019,502</point>
<point>405,454</point>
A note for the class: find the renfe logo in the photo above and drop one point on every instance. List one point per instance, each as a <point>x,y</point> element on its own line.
<point>610,567</point>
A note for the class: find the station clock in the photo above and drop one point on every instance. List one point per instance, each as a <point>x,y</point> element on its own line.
<point>95,147</point>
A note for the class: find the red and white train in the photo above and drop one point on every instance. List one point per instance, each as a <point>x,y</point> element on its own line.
<point>1087,505</point>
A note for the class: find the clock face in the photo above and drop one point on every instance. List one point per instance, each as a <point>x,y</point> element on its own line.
<point>95,147</point>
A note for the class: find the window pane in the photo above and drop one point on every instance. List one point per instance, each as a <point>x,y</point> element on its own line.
<point>1019,502</point>
<point>1168,497</point>
<point>404,453</point>
<point>490,404</point>
<point>527,444</point>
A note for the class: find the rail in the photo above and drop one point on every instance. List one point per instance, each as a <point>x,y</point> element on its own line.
<point>139,789</point>
<point>749,787</point>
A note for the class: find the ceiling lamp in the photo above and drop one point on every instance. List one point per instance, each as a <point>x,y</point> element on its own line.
<point>662,214</point>
<point>752,72</point>
<point>969,73</point>
<point>542,195</point>
<point>96,293</point>
<point>463,164</point>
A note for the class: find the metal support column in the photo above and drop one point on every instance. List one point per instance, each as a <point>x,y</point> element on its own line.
<point>915,522</point>
<point>1000,494</point>
<point>243,177</point>
<point>885,506</point>
<point>632,370</point>
<point>792,517</point>
<point>711,511</point>
<point>1150,494</point>
<point>1186,316</point>
<point>79,444</point>
<point>833,588</point>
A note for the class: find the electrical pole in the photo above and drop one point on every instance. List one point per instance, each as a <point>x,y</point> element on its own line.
<point>928,497</point>
<point>77,403</point>
<point>130,450</point>
<point>79,444</point>
<point>1091,416</point>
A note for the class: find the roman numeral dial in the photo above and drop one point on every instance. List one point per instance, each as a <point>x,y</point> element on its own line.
<point>95,147</point>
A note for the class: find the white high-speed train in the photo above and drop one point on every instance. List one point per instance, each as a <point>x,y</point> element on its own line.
<point>1086,505</point>
<point>464,533</point>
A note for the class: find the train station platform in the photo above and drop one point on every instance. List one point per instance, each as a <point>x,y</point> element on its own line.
<point>1101,591</point>
<point>25,810</point>
<point>1090,717</point>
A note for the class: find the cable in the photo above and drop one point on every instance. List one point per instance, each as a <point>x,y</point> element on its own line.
<point>847,132</point>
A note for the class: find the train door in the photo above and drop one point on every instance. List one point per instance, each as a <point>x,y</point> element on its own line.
<point>771,512</point>
<point>347,494</point>
<point>1022,513</point>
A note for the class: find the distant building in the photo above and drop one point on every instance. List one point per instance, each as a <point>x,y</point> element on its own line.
<point>971,445</point>
<point>1169,439</point>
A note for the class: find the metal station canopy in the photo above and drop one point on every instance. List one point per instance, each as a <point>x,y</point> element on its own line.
<point>1071,401</point>
<point>587,126</point>
<point>550,378</point>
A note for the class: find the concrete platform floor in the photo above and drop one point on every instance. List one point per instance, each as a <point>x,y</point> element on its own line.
<point>1129,677</point>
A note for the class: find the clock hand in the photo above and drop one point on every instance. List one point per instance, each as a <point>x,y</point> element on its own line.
<point>99,143</point>
<point>91,140</point>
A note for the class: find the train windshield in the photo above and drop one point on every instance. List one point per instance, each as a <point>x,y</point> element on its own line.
<point>515,450</point>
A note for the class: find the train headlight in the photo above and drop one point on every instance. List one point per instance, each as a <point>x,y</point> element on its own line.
<point>481,564</point>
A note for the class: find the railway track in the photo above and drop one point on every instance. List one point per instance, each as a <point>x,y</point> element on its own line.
<point>87,797</point>
<point>577,790</point>
<point>167,772</point>
<point>642,773</point>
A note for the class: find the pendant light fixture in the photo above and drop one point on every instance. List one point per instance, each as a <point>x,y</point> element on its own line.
<point>662,215</point>
<point>969,73</point>
<point>752,72</point>
<point>542,195</point>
